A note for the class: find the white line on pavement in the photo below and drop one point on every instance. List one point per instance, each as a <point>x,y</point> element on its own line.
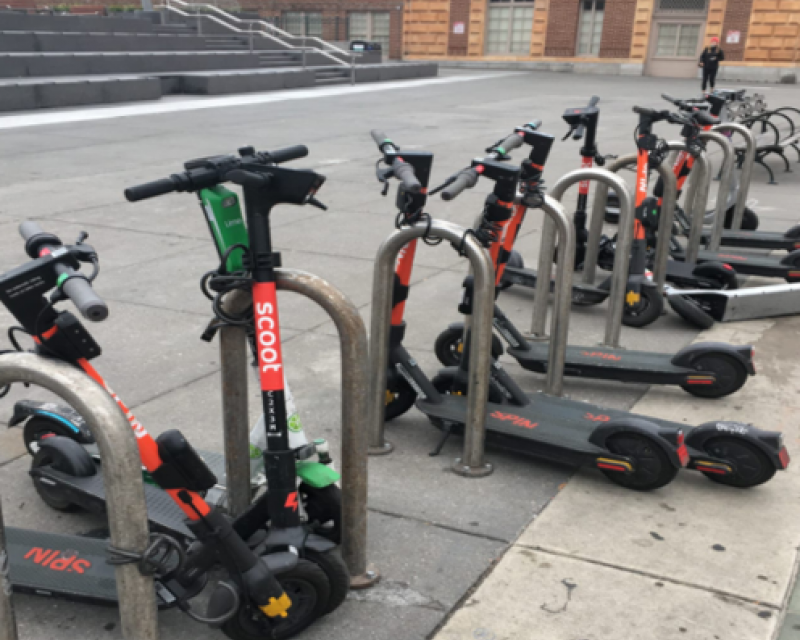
<point>194,104</point>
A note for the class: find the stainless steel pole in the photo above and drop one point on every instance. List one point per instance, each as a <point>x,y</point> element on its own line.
<point>746,169</point>
<point>235,415</point>
<point>355,388</point>
<point>472,461</point>
<point>122,477</point>
<point>728,154</point>
<point>696,202</point>
<point>8,621</point>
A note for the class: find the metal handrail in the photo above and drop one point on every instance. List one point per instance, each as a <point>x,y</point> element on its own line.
<point>621,259</point>
<point>746,176</point>
<point>728,156</point>
<point>168,5</point>
<point>472,463</point>
<point>354,444</point>
<point>122,477</point>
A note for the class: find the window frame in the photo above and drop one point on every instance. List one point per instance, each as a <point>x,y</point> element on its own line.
<point>304,21</point>
<point>674,55</point>
<point>509,41</point>
<point>370,36</point>
<point>581,18</point>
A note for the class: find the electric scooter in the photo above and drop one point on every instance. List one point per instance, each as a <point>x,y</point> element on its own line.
<point>248,601</point>
<point>634,451</point>
<point>709,370</point>
<point>321,497</point>
<point>787,267</point>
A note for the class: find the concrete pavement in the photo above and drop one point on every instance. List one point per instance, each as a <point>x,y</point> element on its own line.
<point>433,535</point>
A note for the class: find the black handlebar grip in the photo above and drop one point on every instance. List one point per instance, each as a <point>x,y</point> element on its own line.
<point>405,173</point>
<point>669,98</point>
<point>151,189</point>
<point>289,153</point>
<point>91,306</point>
<point>534,124</point>
<point>465,180</point>
<point>380,138</point>
<point>579,132</point>
<point>29,229</point>
<point>514,141</point>
<point>594,101</point>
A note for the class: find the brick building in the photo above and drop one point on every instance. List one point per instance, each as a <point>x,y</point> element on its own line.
<point>337,20</point>
<point>761,38</point>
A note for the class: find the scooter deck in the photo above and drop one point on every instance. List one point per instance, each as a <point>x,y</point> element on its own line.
<point>551,428</point>
<point>582,294</point>
<point>750,303</point>
<point>610,364</point>
<point>71,567</point>
<point>759,240</point>
<point>751,265</point>
<point>682,273</point>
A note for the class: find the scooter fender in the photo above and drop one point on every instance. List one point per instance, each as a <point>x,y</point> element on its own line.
<point>62,414</point>
<point>318,543</point>
<point>769,443</point>
<point>666,438</point>
<point>744,354</point>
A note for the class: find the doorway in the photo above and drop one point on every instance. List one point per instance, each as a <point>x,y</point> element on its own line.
<point>676,38</point>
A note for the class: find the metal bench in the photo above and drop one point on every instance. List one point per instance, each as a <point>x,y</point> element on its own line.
<point>775,133</point>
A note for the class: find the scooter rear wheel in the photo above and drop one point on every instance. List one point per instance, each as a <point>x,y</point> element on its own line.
<point>716,275</point>
<point>400,396</point>
<point>647,311</point>
<point>752,465</point>
<point>335,569</point>
<point>64,455</point>
<point>653,468</point>
<point>792,260</point>
<point>308,589</point>
<point>730,373</point>
<point>687,309</point>
<point>443,382</point>
<point>450,345</point>
<point>39,426</point>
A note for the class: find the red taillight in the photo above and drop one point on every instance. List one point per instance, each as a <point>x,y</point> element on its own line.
<point>753,358</point>
<point>783,456</point>
<point>680,438</point>
<point>728,267</point>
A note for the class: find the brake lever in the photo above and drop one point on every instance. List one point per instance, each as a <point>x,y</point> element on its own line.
<point>383,176</point>
<point>442,186</point>
<point>316,203</point>
<point>569,133</point>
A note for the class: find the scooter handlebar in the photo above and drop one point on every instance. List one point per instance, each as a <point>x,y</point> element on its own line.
<point>151,189</point>
<point>289,153</point>
<point>465,179</point>
<point>405,173</point>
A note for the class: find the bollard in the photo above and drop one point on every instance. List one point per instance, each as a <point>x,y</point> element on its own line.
<point>621,259</point>
<point>748,162</point>
<point>122,476</point>
<point>8,621</point>
<point>471,463</point>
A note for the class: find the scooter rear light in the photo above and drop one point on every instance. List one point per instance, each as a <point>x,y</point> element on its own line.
<point>681,450</point>
<point>753,358</point>
<point>783,456</point>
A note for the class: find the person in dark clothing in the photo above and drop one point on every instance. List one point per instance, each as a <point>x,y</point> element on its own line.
<point>709,61</point>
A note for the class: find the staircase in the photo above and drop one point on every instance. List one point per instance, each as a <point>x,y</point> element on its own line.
<point>64,61</point>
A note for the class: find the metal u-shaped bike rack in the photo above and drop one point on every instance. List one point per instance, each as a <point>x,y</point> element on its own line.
<point>472,463</point>
<point>122,478</point>
<point>354,441</point>
<point>748,162</point>
<point>8,620</point>
<point>547,247</point>
<point>728,158</point>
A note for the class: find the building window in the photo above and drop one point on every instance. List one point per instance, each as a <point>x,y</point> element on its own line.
<point>682,5</point>
<point>590,29</point>
<point>677,40</point>
<point>373,26</point>
<point>509,27</point>
<point>300,23</point>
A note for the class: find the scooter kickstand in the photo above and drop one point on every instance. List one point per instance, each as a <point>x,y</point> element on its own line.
<point>448,429</point>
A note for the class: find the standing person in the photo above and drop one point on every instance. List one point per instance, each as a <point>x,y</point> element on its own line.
<point>709,61</point>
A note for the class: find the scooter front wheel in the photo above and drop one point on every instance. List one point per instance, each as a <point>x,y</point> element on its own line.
<point>647,310</point>
<point>308,589</point>
<point>730,373</point>
<point>653,468</point>
<point>749,219</point>
<point>752,467</point>
<point>39,427</point>
<point>335,570</point>
<point>688,309</point>
<point>323,507</point>
<point>450,345</point>
<point>515,261</point>
<point>400,396</point>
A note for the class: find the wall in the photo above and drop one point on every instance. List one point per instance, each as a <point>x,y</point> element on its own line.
<point>426,27</point>
<point>562,28</point>
<point>737,18</point>
<point>772,32</point>
<point>458,43</point>
<point>618,22</point>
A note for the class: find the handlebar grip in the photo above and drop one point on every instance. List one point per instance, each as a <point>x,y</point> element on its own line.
<point>405,173</point>
<point>289,153</point>
<point>29,229</point>
<point>669,98</point>
<point>514,141</point>
<point>380,137</point>
<point>151,189</point>
<point>594,101</point>
<point>465,180</point>
<point>579,132</point>
<point>534,124</point>
<point>91,306</point>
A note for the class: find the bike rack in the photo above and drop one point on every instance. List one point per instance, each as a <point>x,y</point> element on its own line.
<point>472,463</point>
<point>354,444</point>
<point>122,476</point>
<point>699,186</point>
<point>565,272</point>
<point>8,621</point>
<point>748,162</point>
<point>728,157</point>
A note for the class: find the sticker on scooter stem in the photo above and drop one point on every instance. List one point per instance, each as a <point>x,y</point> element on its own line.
<point>268,340</point>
